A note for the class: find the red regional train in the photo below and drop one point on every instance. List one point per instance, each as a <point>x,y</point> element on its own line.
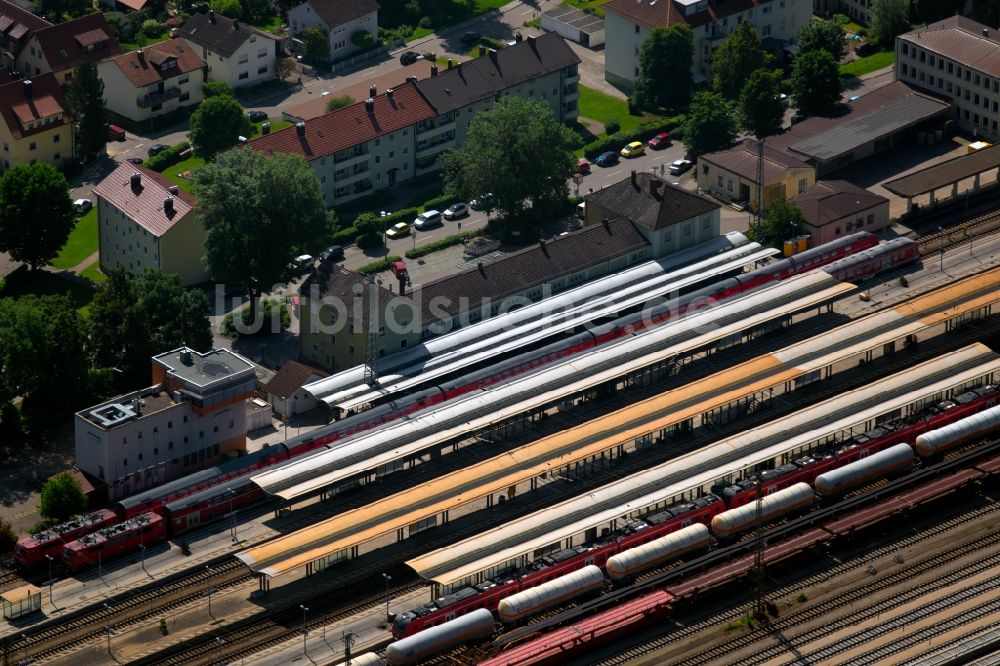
<point>701,510</point>
<point>109,542</point>
<point>34,550</point>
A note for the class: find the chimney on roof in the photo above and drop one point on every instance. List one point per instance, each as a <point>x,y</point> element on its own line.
<point>265,127</point>
<point>451,63</point>
<point>482,269</point>
<point>633,179</point>
<point>372,90</point>
<point>531,40</point>
<point>986,32</point>
<point>135,181</point>
<point>482,50</point>
<point>27,88</point>
<point>434,70</point>
<point>173,189</point>
<point>411,79</point>
<point>517,38</point>
<point>606,222</point>
<point>168,206</point>
<point>493,56</point>
<point>141,55</point>
<point>654,186</point>
<point>370,106</point>
<point>541,244</point>
<point>388,93</point>
<point>300,129</point>
<point>211,16</point>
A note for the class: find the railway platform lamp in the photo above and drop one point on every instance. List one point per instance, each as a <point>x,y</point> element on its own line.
<point>51,580</point>
<point>941,230</point>
<point>232,514</point>
<point>304,632</point>
<point>209,591</point>
<point>219,642</point>
<point>387,578</point>
<point>24,637</point>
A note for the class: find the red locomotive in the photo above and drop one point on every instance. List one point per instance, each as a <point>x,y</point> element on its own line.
<point>30,551</point>
<point>109,542</point>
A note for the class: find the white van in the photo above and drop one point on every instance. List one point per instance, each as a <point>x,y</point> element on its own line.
<point>581,210</point>
<point>427,219</point>
<point>301,263</point>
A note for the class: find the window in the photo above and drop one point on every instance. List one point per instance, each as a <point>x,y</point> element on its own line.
<point>720,181</point>
<point>184,79</point>
<point>124,462</point>
<point>215,429</point>
<point>636,32</point>
<point>802,185</point>
<point>837,231</point>
<point>350,349</point>
<point>31,146</point>
<point>871,218</point>
<point>951,68</point>
<point>244,75</point>
<point>729,185</point>
<point>140,455</point>
<point>243,59</point>
<point>261,53</point>
<point>184,97</point>
<point>262,70</point>
<point>55,139</point>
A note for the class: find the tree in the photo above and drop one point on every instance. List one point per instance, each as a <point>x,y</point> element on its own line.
<point>929,11</point>
<point>335,103</point>
<point>888,20</point>
<point>36,213</point>
<point>986,11</point>
<point>816,83</point>
<point>710,124</point>
<point>665,80</point>
<point>823,35</point>
<point>782,222</point>
<point>57,10</point>
<point>38,334</point>
<point>217,124</point>
<point>8,538</point>
<point>132,319</point>
<point>259,211</point>
<point>516,137</point>
<point>370,228</point>
<point>761,109</point>
<point>216,88</point>
<point>314,45</point>
<point>62,497</point>
<point>738,56</point>
<point>284,67</point>
<point>85,96</point>
<point>228,8</point>
<point>254,10</point>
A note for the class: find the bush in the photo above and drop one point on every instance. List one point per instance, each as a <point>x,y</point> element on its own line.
<point>841,19</point>
<point>7,537</point>
<point>362,39</point>
<point>446,242</point>
<point>378,266</point>
<point>153,28</point>
<point>213,88</point>
<point>402,215</point>
<point>268,308</point>
<point>425,22</point>
<point>168,157</point>
<point>345,236</point>
<point>642,133</point>
<point>612,127</point>
<point>440,202</point>
<point>335,103</point>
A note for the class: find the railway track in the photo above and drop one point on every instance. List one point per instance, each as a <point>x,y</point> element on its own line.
<point>979,225</point>
<point>9,579</point>
<point>76,630</point>
<point>252,637</point>
<point>857,562</point>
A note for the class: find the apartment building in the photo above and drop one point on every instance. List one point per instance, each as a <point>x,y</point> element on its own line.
<point>153,81</point>
<point>957,59</point>
<point>35,123</point>
<point>339,19</point>
<point>58,48</point>
<point>234,53</point>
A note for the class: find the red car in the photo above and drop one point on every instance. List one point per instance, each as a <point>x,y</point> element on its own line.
<point>115,133</point>
<point>661,140</point>
<point>582,166</point>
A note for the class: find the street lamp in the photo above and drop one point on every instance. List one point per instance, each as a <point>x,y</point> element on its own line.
<point>304,611</point>
<point>941,230</point>
<point>387,578</point>
<point>209,591</point>
<point>25,637</point>
<point>219,642</point>
<point>49,558</point>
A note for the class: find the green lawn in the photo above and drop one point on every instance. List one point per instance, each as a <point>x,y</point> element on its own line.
<point>604,108</point>
<point>588,4</point>
<point>868,64</point>
<point>81,244</point>
<point>42,283</point>
<point>162,37</point>
<point>173,173</point>
<point>94,274</point>
<point>272,24</point>
<point>275,126</point>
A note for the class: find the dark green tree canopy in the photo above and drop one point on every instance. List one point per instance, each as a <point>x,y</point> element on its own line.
<point>986,12</point>
<point>929,11</point>
<point>889,20</point>
<point>783,221</point>
<point>816,84</point>
<point>228,8</point>
<point>217,124</point>
<point>515,138</point>
<point>133,319</point>
<point>738,56</point>
<point>665,59</point>
<point>314,45</point>
<point>215,88</point>
<point>761,109</point>
<point>85,96</point>
<point>710,124</point>
<point>823,35</point>
<point>62,497</point>
<point>259,211</point>
<point>36,213</point>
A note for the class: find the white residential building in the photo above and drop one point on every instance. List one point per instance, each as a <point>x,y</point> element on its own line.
<point>234,53</point>
<point>153,81</point>
<point>340,19</point>
<point>629,22</point>
<point>956,59</point>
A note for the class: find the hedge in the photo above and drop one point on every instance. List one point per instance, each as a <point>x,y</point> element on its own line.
<point>379,266</point>
<point>440,202</point>
<point>447,241</point>
<point>168,157</point>
<point>642,133</point>
<point>345,236</point>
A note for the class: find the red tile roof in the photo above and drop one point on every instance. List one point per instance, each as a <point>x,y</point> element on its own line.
<point>339,12</point>
<point>88,37</point>
<point>350,126</point>
<point>16,22</point>
<point>45,100</point>
<point>143,67</point>
<point>960,39</point>
<point>831,200</point>
<point>145,205</point>
<point>663,13</point>
<point>291,377</point>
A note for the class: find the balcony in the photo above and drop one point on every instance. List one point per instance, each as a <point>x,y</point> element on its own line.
<point>158,97</point>
<point>351,153</point>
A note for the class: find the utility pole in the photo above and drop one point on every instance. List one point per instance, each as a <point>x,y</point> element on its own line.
<point>232,514</point>
<point>758,216</point>
<point>209,591</point>
<point>304,633</point>
<point>757,609</point>
<point>387,578</point>
<point>348,643</point>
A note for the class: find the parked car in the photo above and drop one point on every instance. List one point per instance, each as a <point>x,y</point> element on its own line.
<point>301,263</point>
<point>82,205</point>
<point>607,159</point>
<point>134,160</point>
<point>455,211</point>
<point>156,149</point>
<point>470,37</point>
<point>427,219</point>
<point>409,57</point>
<point>398,230</point>
<point>479,202</point>
<point>582,166</point>
<point>332,253</point>
<point>256,116</point>
<point>677,167</point>
<point>661,140</point>
<point>633,149</point>
<point>115,133</point>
